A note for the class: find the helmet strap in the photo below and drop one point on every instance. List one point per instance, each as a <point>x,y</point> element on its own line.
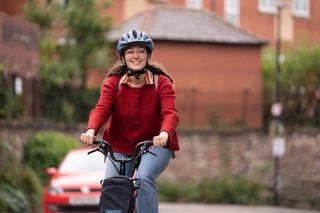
<point>136,73</point>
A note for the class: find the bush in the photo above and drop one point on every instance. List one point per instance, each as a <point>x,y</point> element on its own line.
<point>232,190</point>
<point>20,188</point>
<point>47,149</point>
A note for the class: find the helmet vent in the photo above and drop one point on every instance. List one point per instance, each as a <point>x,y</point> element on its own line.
<point>134,34</point>
<point>134,37</point>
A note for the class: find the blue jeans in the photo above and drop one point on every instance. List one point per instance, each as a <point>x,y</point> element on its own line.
<point>150,168</point>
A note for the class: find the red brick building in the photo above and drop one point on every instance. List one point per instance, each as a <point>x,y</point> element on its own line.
<point>300,18</point>
<point>19,57</point>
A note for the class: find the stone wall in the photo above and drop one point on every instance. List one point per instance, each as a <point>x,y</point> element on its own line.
<point>249,153</point>
<point>205,154</point>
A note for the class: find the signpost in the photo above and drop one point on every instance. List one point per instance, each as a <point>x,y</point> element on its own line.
<point>278,148</point>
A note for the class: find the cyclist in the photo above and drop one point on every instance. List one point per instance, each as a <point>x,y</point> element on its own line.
<point>137,100</point>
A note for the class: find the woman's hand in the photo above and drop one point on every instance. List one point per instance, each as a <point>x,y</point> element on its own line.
<point>161,139</point>
<point>87,137</point>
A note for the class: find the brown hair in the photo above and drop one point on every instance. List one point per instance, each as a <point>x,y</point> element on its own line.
<point>120,69</point>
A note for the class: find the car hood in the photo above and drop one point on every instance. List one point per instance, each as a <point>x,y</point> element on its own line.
<point>74,180</point>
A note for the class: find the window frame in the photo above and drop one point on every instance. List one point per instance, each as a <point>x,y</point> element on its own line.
<point>267,6</point>
<point>300,12</point>
<point>232,14</point>
<point>195,4</point>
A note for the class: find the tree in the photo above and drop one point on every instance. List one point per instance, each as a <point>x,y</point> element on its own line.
<point>86,44</point>
<point>73,40</point>
<point>300,82</point>
<point>300,90</point>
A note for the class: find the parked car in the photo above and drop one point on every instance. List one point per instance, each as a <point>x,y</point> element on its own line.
<point>75,185</point>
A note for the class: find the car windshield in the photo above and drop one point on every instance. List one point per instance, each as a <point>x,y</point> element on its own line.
<point>81,162</point>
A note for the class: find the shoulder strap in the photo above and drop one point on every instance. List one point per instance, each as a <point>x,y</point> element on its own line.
<point>155,81</point>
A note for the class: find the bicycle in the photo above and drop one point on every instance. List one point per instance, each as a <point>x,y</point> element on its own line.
<point>118,193</point>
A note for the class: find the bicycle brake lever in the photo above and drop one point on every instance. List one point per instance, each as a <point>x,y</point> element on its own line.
<point>92,151</point>
<point>152,153</point>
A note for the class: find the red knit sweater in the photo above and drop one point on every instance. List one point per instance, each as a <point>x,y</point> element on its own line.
<point>135,114</point>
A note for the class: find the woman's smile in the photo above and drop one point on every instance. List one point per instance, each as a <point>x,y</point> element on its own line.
<point>136,58</point>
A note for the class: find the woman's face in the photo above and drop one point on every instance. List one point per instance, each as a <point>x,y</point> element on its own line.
<point>136,57</point>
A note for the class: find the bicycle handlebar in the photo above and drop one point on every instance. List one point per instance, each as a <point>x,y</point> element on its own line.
<point>105,147</point>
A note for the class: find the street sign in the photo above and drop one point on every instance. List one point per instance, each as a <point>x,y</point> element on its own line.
<point>278,146</point>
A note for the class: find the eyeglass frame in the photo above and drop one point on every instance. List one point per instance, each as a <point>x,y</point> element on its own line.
<point>139,51</point>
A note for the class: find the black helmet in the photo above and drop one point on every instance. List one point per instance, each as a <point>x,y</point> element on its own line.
<point>134,37</point>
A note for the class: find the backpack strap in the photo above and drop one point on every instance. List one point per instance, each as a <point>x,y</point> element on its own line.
<point>155,81</point>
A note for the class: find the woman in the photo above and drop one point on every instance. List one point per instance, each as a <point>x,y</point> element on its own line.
<point>138,101</point>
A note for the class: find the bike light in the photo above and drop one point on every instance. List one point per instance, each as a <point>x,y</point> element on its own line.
<point>54,190</point>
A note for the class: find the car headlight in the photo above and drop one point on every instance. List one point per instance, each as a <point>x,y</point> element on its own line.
<point>54,190</point>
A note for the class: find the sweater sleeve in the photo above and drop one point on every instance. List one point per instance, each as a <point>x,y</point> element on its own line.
<point>103,109</point>
<point>169,112</point>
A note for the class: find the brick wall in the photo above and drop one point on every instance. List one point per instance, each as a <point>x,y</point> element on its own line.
<point>205,154</point>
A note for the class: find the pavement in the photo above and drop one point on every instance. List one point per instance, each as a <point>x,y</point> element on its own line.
<point>207,208</point>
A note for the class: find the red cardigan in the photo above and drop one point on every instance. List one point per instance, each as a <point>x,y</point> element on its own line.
<point>135,114</point>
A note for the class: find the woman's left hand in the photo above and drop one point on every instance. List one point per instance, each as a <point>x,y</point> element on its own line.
<point>161,139</point>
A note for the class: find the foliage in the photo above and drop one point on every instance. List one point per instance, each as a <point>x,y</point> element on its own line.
<point>299,86</point>
<point>268,76</point>
<point>300,82</point>
<point>43,16</point>
<point>233,190</point>
<point>14,107</point>
<point>20,188</point>
<point>13,200</point>
<point>73,41</point>
<point>47,149</point>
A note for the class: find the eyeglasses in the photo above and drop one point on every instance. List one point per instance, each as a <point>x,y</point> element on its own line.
<point>131,52</point>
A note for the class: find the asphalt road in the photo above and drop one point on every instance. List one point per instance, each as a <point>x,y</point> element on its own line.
<point>203,208</point>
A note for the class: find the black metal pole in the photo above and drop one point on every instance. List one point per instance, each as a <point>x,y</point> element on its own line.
<point>278,53</point>
<point>277,181</point>
<point>277,177</point>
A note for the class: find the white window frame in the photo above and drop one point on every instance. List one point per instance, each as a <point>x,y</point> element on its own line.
<point>232,11</point>
<point>195,4</point>
<point>301,8</point>
<point>267,6</point>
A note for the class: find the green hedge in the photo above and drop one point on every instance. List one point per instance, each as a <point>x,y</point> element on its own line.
<point>46,149</point>
<point>232,190</point>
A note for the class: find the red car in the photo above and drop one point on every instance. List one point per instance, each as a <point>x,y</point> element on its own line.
<point>75,185</point>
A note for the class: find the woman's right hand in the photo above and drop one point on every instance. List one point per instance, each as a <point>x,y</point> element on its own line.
<point>87,137</point>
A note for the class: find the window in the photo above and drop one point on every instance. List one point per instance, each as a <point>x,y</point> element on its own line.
<point>301,8</point>
<point>268,6</point>
<point>196,4</point>
<point>232,11</point>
